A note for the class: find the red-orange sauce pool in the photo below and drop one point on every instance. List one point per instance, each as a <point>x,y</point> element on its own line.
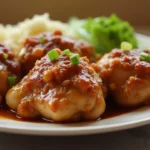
<point>112,110</point>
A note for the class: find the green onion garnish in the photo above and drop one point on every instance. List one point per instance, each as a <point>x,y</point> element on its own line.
<point>102,80</point>
<point>12,80</point>
<point>5,55</point>
<point>41,40</point>
<point>66,52</point>
<point>53,55</point>
<point>75,59</point>
<point>126,46</point>
<point>145,56</point>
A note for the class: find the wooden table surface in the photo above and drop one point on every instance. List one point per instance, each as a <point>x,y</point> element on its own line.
<point>133,139</point>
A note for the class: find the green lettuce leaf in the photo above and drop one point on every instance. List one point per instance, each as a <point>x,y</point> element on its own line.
<point>105,33</point>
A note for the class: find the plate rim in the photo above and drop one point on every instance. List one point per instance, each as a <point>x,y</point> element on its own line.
<point>74,131</point>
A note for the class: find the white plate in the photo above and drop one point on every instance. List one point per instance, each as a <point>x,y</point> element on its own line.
<point>129,120</point>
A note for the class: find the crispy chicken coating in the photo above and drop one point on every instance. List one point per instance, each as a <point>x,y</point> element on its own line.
<point>126,76</point>
<point>9,66</point>
<point>59,90</point>
<point>37,46</point>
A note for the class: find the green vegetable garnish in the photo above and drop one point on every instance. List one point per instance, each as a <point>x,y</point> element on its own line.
<point>12,80</point>
<point>102,80</point>
<point>104,33</point>
<point>53,55</point>
<point>5,55</point>
<point>75,59</point>
<point>41,40</point>
<point>66,52</point>
<point>145,56</point>
<point>126,46</point>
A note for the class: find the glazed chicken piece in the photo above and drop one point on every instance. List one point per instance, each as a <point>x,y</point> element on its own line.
<point>126,76</point>
<point>9,68</point>
<point>58,90</point>
<point>37,46</point>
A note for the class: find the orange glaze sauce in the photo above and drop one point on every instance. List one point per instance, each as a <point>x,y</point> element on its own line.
<point>112,110</point>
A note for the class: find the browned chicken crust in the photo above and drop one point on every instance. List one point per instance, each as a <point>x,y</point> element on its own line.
<point>8,66</point>
<point>59,90</point>
<point>126,76</point>
<point>37,46</point>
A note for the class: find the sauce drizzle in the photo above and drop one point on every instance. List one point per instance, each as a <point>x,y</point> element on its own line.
<point>112,110</point>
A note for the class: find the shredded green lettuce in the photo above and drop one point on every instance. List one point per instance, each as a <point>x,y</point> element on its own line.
<point>104,33</point>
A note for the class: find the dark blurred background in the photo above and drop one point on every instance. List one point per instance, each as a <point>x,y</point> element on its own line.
<point>137,12</point>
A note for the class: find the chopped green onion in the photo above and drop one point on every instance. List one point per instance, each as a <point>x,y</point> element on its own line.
<point>145,56</point>
<point>22,52</point>
<point>126,46</point>
<point>12,80</point>
<point>75,59</point>
<point>66,52</point>
<point>5,55</point>
<point>102,80</point>
<point>41,40</point>
<point>53,55</point>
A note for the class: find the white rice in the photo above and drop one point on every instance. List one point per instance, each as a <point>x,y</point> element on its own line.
<point>14,35</point>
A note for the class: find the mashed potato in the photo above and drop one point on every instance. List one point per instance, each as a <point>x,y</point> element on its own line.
<point>14,35</point>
